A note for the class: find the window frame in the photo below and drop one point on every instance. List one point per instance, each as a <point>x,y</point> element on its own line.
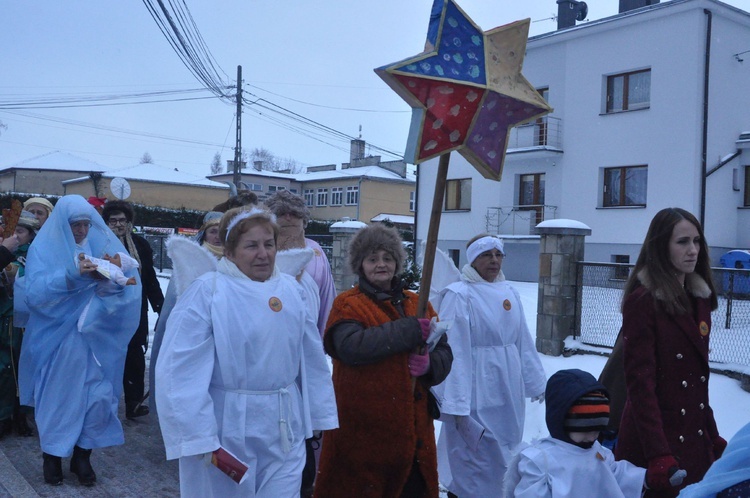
<point>324,193</point>
<point>337,192</point>
<point>309,201</point>
<point>747,186</point>
<point>412,201</point>
<point>626,94</point>
<point>623,187</point>
<point>459,200</point>
<point>352,192</point>
<point>539,182</point>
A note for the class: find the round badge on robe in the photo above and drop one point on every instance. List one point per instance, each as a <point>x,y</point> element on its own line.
<point>506,305</point>
<point>703,328</point>
<point>275,304</point>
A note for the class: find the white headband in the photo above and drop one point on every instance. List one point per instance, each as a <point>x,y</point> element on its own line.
<point>250,213</point>
<point>481,245</point>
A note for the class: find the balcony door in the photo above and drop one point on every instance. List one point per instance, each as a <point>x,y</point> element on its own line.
<point>531,195</point>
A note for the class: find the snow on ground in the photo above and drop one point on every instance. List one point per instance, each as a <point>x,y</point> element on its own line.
<point>730,403</point>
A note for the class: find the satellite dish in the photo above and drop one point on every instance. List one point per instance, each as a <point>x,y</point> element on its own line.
<point>583,11</point>
<point>120,188</point>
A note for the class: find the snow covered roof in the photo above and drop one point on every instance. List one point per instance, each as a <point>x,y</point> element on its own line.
<point>563,223</point>
<point>394,218</point>
<point>155,173</point>
<point>375,172</point>
<point>58,161</point>
<point>348,224</point>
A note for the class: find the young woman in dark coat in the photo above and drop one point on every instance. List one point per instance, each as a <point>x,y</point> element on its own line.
<point>385,444</point>
<point>667,423</point>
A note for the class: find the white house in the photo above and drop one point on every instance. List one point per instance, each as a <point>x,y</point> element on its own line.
<point>651,110</point>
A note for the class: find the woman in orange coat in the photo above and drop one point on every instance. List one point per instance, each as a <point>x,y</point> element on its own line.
<point>385,444</point>
<point>667,423</point>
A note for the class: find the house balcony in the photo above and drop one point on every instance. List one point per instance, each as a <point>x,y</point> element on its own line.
<point>517,220</point>
<point>542,133</point>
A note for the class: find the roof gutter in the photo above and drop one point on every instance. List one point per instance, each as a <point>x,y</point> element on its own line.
<point>704,151</point>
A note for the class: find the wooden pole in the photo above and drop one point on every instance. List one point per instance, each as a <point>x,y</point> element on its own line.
<point>432,235</point>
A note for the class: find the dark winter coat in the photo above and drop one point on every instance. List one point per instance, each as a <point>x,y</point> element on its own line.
<point>384,424</point>
<point>667,411</point>
<point>150,288</point>
<point>563,389</point>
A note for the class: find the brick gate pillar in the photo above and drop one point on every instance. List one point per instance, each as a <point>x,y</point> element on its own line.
<point>343,232</point>
<point>560,248</point>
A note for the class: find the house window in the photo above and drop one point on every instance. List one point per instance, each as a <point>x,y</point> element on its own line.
<point>747,185</point>
<point>625,186</point>
<point>337,193</point>
<point>255,187</point>
<point>621,272</point>
<point>455,255</point>
<point>458,195</point>
<point>629,91</point>
<point>412,201</point>
<point>309,194</point>
<point>540,125</point>
<point>352,196</point>
<point>293,190</point>
<point>275,188</point>
<point>322,197</point>
<point>531,195</point>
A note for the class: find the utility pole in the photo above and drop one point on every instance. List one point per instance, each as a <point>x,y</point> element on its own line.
<point>238,139</point>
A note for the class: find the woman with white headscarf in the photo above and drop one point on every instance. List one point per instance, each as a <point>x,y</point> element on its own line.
<point>495,366</point>
<point>240,362</point>
<point>76,338</point>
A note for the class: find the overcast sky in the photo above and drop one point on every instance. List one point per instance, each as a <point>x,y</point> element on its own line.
<point>314,58</point>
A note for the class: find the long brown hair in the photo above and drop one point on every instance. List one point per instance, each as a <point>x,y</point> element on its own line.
<point>654,258</point>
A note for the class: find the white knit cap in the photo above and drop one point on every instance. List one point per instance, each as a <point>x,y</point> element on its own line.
<point>481,245</point>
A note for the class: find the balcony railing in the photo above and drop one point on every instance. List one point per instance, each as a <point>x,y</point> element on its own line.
<point>543,132</point>
<point>517,220</point>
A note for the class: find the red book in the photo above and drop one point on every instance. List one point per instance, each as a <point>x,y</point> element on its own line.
<point>226,462</point>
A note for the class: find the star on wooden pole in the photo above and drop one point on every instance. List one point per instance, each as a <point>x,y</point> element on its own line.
<point>466,89</point>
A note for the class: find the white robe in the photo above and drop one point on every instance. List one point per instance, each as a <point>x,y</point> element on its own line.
<point>235,372</point>
<point>495,366</point>
<point>551,468</point>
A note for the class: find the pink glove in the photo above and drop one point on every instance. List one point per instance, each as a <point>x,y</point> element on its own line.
<point>419,364</point>
<point>424,323</point>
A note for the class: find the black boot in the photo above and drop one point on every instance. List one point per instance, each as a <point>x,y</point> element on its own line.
<point>81,466</point>
<point>52,469</point>
<point>21,422</point>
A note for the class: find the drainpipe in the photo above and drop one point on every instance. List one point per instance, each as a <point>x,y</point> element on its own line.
<point>359,196</point>
<point>414,247</point>
<point>704,151</point>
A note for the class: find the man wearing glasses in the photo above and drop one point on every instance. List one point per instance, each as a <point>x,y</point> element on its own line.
<point>119,217</point>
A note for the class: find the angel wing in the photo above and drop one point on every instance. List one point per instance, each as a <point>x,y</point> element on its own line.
<point>293,261</point>
<point>189,261</point>
<point>444,273</point>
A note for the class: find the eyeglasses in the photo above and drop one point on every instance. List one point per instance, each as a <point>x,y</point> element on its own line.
<point>117,221</point>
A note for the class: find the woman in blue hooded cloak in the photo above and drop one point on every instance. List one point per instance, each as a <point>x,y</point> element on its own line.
<point>76,339</point>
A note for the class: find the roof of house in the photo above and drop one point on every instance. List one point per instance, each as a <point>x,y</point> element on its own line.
<point>374,172</point>
<point>58,161</point>
<point>394,218</point>
<point>155,173</point>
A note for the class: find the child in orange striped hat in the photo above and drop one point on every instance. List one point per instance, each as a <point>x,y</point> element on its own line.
<point>571,462</point>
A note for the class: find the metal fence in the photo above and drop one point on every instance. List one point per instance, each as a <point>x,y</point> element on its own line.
<point>598,318</point>
<point>158,245</point>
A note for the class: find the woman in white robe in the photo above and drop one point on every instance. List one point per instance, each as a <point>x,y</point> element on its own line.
<point>240,361</point>
<point>495,366</point>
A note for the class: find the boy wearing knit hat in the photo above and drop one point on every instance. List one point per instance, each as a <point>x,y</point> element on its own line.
<point>571,462</point>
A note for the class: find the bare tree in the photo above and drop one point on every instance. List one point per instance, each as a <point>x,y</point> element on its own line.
<point>216,164</point>
<point>146,158</point>
<point>270,162</point>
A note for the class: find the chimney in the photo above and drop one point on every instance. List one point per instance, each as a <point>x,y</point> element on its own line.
<point>258,165</point>
<point>570,11</point>
<point>626,5</point>
<point>356,150</point>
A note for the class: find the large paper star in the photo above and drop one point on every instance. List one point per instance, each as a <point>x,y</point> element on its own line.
<point>466,89</point>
